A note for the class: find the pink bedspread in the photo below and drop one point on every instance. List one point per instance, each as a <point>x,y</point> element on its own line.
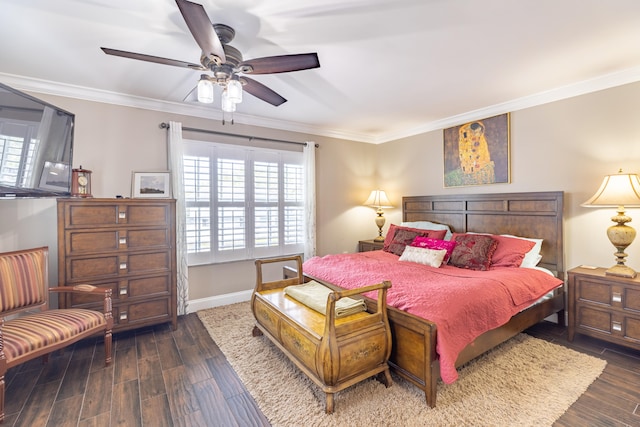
<point>462,303</point>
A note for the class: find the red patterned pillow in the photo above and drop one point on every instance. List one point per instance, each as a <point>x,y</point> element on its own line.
<point>398,237</point>
<point>510,251</point>
<point>430,243</point>
<point>473,251</point>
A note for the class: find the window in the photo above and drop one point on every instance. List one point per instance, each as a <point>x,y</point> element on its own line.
<point>242,202</point>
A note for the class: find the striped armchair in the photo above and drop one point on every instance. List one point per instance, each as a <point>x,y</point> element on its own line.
<point>28,329</point>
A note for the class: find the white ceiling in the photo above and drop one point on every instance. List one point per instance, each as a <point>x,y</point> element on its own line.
<point>389,68</point>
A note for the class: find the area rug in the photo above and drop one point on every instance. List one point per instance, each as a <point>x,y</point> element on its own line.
<point>524,382</point>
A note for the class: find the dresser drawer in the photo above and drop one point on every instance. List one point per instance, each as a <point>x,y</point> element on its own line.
<point>109,214</point>
<point>632,300</point>
<point>89,268</point>
<point>102,240</point>
<point>593,319</point>
<point>132,314</point>
<point>593,291</point>
<point>125,289</point>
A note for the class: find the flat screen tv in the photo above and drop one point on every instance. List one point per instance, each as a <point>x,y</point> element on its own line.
<point>36,146</point>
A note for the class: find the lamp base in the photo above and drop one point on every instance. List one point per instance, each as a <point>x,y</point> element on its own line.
<point>380,223</point>
<point>621,271</point>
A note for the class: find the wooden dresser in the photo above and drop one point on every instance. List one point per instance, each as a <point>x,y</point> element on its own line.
<point>605,307</point>
<point>127,245</point>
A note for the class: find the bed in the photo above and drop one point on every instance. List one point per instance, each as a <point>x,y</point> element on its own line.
<point>535,215</point>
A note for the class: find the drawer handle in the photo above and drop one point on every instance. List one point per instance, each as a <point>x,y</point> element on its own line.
<point>616,297</point>
<point>122,215</point>
<point>123,240</point>
<point>123,266</point>
<point>616,326</point>
<point>123,316</point>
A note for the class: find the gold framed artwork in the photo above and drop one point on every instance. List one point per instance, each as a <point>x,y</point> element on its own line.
<point>478,152</point>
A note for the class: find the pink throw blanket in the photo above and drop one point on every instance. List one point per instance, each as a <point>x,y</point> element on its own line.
<point>462,303</point>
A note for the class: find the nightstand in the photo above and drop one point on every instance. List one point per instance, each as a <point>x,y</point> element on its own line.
<point>604,307</point>
<point>369,245</point>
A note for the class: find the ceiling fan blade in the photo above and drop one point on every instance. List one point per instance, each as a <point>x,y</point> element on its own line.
<point>280,64</point>
<point>201,28</point>
<point>262,92</point>
<point>150,58</point>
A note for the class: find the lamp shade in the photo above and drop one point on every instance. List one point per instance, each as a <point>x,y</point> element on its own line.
<point>378,199</point>
<point>228,106</point>
<point>621,189</point>
<point>234,91</point>
<point>205,90</point>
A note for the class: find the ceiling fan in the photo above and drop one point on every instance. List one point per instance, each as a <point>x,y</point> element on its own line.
<point>227,67</point>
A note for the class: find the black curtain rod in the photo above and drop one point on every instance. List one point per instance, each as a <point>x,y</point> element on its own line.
<point>164,125</point>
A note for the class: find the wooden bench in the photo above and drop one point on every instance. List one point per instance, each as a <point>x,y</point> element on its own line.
<point>334,353</point>
<point>28,329</point>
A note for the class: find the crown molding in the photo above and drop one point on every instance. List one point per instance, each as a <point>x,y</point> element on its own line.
<point>607,81</point>
<point>195,110</point>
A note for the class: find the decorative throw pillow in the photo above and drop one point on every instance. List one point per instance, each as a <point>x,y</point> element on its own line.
<point>510,251</point>
<point>429,243</point>
<point>428,225</point>
<point>473,251</point>
<point>532,257</point>
<point>430,257</point>
<point>398,237</point>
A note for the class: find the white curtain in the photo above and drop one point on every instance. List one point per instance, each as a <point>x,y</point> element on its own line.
<point>310,199</point>
<point>175,152</point>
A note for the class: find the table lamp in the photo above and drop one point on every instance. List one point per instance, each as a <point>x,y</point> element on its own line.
<point>378,199</point>
<point>618,190</point>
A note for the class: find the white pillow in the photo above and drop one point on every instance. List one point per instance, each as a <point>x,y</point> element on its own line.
<point>533,257</point>
<point>428,225</point>
<point>426,256</point>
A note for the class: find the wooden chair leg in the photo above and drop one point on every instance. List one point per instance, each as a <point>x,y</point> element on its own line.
<point>108,338</point>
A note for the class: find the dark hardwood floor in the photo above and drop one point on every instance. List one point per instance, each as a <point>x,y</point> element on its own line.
<point>162,377</point>
<point>159,378</point>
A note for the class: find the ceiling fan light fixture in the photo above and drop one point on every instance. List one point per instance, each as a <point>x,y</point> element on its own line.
<point>234,91</point>
<point>205,90</point>
<point>228,106</point>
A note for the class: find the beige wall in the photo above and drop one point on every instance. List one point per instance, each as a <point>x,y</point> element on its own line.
<point>567,145</point>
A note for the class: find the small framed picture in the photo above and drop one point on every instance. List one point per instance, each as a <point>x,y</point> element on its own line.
<point>151,185</point>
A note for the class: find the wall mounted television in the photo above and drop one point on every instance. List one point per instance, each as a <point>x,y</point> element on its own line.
<point>36,146</point>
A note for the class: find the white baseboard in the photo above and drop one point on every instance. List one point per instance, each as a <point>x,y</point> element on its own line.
<point>218,300</point>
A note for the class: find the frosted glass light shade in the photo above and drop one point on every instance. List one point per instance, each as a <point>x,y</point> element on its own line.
<point>234,91</point>
<point>228,106</point>
<point>205,90</point>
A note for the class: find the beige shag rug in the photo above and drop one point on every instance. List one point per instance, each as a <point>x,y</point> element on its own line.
<point>524,382</point>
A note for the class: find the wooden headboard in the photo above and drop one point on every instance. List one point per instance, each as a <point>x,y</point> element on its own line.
<point>537,215</point>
